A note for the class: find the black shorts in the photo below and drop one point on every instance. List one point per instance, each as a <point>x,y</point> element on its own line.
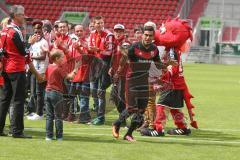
<point>137,92</point>
<point>171,98</point>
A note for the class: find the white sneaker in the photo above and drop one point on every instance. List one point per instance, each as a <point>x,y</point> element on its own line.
<point>30,115</point>
<point>36,117</point>
<point>48,139</point>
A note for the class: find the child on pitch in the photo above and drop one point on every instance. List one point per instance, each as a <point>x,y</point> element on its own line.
<point>55,74</point>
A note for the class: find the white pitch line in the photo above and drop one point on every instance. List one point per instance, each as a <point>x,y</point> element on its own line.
<point>160,139</point>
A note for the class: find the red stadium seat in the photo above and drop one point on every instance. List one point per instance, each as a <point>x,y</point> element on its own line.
<point>122,11</point>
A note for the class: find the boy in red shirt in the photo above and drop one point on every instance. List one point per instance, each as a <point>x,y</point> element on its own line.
<point>55,89</point>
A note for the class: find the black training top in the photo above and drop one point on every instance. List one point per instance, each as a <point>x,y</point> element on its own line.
<point>140,59</point>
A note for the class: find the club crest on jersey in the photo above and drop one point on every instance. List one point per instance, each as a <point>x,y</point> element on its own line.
<point>146,55</point>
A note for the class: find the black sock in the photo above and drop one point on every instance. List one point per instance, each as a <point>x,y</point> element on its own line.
<point>122,117</point>
<point>131,128</point>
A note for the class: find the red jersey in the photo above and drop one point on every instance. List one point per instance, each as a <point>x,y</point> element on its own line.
<point>64,39</point>
<point>103,41</point>
<point>1,81</point>
<point>55,75</point>
<point>1,67</point>
<point>117,55</point>
<point>16,58</point>
<point>175,73</point>
<point>86,57</point>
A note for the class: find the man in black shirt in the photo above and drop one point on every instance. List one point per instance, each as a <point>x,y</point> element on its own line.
<point>140,57</point>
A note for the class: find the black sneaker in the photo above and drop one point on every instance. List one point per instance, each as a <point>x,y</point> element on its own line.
<point>2,134</point>
<point>179,131</point>
<point>151,132</point>
<point>21,136</point>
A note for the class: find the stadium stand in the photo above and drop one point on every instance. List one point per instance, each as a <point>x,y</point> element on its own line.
<point>197,10</point>
<point>230,33</point>
<point>130,13</point>
<point>229,13</point>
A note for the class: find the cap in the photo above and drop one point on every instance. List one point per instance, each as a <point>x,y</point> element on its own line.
<point>119,26</point>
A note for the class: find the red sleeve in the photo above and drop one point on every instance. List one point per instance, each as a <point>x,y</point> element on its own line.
<point>108,45</point>
<point>1,81</point>
<point>28,59</point>
<point>175,70</point>
<point>46,73</point>
<point>70,42</point>
<point>91,40</point>
<point>69,64</point>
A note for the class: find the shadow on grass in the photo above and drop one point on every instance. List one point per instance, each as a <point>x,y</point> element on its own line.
<point>201,137</point>
<point>214,135</point>
<point>187,143</point>
<point>76,138</point>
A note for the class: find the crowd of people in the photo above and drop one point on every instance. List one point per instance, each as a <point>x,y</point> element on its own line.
<point>63,65</point>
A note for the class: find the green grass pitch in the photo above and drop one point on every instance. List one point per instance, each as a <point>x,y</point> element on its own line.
<point>217,99</point>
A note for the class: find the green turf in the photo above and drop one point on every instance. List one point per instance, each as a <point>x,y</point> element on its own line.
<point>216,90</point>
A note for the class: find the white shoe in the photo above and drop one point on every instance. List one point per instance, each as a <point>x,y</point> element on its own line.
<point>36,117</point>
<point>48,139</point>
<point>30,115</point>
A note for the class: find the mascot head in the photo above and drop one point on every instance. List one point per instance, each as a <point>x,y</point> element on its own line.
<point>174,33</point>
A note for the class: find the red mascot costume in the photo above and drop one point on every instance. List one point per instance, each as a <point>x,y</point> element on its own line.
<point>174,35</point>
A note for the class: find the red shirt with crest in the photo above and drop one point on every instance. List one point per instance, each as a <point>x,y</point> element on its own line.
<point>16,57</point>
<point>103,41</point>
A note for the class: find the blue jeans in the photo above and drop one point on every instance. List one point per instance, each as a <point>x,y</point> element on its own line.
<point>36,103</point>
<point>84,102</point>
<point>94,89</point>
<point>74,93</point>
<point>104,83</point>
<point>53,100</point>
